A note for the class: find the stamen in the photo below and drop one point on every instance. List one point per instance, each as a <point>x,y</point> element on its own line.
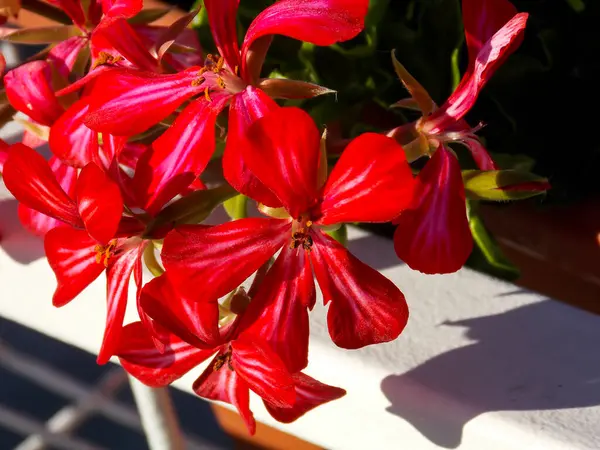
<point>222,359</point>
<point>104,253</point>
<point>207,95</point>
<point>301,234</point>
<point>219,66</point>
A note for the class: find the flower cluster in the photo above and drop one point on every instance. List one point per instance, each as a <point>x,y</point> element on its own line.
<point>130,112</point>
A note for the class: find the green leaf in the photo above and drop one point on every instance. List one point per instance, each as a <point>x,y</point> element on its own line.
<point>237,207</point>
<point>340,234</point>
<point>577,5</point>
<point>503,185</point>
<point>149,15</point>
<point>42,35</point>
<point>490,250</point>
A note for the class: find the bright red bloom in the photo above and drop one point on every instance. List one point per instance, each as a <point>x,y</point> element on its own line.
<point>127,103</point>
<point>97,239</point>
<point>243,361</point>
<point>434,236</point>
<point>493,30</point>
<point>371,182</point>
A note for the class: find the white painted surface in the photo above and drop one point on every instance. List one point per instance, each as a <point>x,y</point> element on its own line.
<point>482,364</point>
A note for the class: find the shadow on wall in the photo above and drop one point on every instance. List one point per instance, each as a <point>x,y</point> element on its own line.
<point>535,357</point>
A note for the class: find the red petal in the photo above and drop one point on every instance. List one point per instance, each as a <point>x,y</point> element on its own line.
<point>140,358</point>
<point>123,8</point>
<point>99,202</point>
<point>283,150</point>
<point>194,322</point>
<point>481,156</point>
<point>220,258</point>
<point>263,371</point>
<point>278,312</point>
<point>4,150</point>
<point>371,182</point>
<point>490,57</point>
<point>118,274</point>
<point>321,22</point>
<point>434,237</point>
<point>37,222</point>
<point>116,37</point>
<point>179,156</point>
<point>225,385</point>
<point>30,179</point>
<point>310,393</point>
<point>125,102</point>
<point>72,257</point>
<point>29,90</point>
<point>73,9</point>
<point>245,108</point>
<point>366,308</point>
<point>482,19</point>
<point>64,54</point>
<point>70,140</point>
<point>223,24</point>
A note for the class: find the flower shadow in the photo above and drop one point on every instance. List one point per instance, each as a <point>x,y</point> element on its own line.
<point>20,245</point>
<point>532,358</point>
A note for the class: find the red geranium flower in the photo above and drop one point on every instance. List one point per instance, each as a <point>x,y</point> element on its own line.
<point>434,235</point>
<point>128,103</point>
<point>98,237</point>
<point>243,360</point>
<point>371,182</point>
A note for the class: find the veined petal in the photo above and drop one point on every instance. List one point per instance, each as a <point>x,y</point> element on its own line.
<point>71,140</point>
<point>30,179</point>
<point>490,57</point>
<point>321,22</point>
<point>39,223</point>
<point>246,108</point>
<point>29,90</point>
<point>72,257</point>
<point>140,358</point>
<point>366,308</point>
<point>371,182</point>
<point>194,322</point>
<point>482,19</point>
<point>99,202</point>
<point>278,313</point>
<point>225,385</point>
<point>124,102</point>
<point>64,54</point>
<point>220,258</point>
<point>179,156</point>
<point>122,8</point>
<point>73,9</point>
<point>118,274</point>
<point>116,35</point>
<point>434,236</point>
<point>480,154</point>
<point>310,393</point>
<point>283,150</point>
<point>223,24</point>
<point>262,370</point>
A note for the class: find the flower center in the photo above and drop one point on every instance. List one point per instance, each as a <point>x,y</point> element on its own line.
<point>106,58</point>
<point>105,252</point>
<point>220,360</point>
<point>216,77</point>
<point>301,234</point>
